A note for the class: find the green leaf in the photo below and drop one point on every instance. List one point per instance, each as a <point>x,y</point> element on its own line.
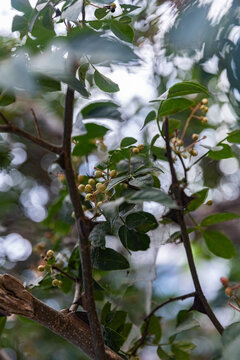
<point>97,235</point>
<point>74,83</point>
<point>153,195</point>
<point>129,8</point>
<point>152,115</point>
<point>20,24</point>
<point>224,153</point>
<point>85,145</point>
<point>163,355</point>
<point>108,259</point>
<point>141,221</point>
<point>133,240</point>
<point>159,153</point>
<point>100,13</point>
<point>199,198</point>
<point>6,99</point>
<point>127,141</point>
<point>185,321</point>
<point>117,180</point>
<point>219,244</point>
<point>103,1</point>
<point>218,218</point>
<point>104,83</point>
<point>112,339</point>
<point>22,5</point>
<point>142,182</point>
<point>172,106</point>
<point>122,30</point>
<point>48,84</point>
<point>154,328</point>
<point>230,340</point>
<point>186,88</point>
<point>82,71</point>
<point>234,137</point>
<point>101,109</point>
<point>182,349</point>
<point>173,125</point>
<point>73,11</point>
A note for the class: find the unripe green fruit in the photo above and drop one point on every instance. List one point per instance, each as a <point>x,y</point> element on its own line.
<point>81,187</point>
<point>98,174</point>
<point>84,208</point>
<point>113,173</point>
<point>60,283</point>
<point>88,197</point>
<point>195,137</point>
<point>91,182</point>
<point>193,152</point>
<point>209,202</point>
<point>88,188</point>
<point>41,268</point>
<point>101,187</point>
<point>55,282</point>
<point>204,101</point>
<point>50,254</point>
<point>135,150</point>
<point>99,203</point>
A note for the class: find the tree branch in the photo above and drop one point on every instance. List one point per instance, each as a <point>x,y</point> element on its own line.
<point>148,317</point>
<point>177,190</point>
<point>10,128</point>
<point>15,299</point>
<point>84,227</point>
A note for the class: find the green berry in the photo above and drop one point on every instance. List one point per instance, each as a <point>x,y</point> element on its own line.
<point>113,173</point>
<point>88,188</point>
<point>50,254</point>
<point>101,187</point>
<point>91,182</point>
<point>98,174</point>
<point>41,268</point>
<point>135,150</point>
<point>55,282</point>
<point>88,197</point>
<point>80,178</point>
<point>81,187</point>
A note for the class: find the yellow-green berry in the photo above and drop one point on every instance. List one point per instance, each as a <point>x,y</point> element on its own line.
<point>204,101</point>
<point>81,187</point>
<point>50,254</point>
<point>88,188</point>
<point>204,108</point>
<point>193,152</point>
<point>179,142</point>
<point>80,178</point>
<point>41,268</point>
<point>99,203</point>
<point>59,283</point>
<point>98,174</point>
<point>184,156</point>
<point>135,150</point>
<point>195,137</point>
<point>204,119</point>
<point>91,182</point>
<point>55,282</point>
<point>101,187</point>
<point>140,147</point>
<point>84,208</point>
<point>209,202</point>
<point>113,173</point>
<point>88,197</point>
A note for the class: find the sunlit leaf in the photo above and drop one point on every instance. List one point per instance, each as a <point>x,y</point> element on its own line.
<point>224,153</point>
<point>152,115</point>
<point>127,141</point>
<point>199,198</point>
<point>122,30</point>
<point>186,88</point>
<point>175,105</point>
<point>234,137</point>
<point>219,244</point>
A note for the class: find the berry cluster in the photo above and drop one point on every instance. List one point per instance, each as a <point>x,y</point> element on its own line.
<point>232,292</point>
<point>49,260</point>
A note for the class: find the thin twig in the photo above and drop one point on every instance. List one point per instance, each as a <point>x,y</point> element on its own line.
<point>189,119</point>
<point>148,317</point>
<point>84,226</point>
<point>44,144</point>
<point>185,237</point>
<point>36,122</point>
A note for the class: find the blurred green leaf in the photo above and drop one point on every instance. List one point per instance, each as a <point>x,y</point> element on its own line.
<point>122,30</point>
<point>97,235</point>
<point>224,153</point>
<point>218,218</point>
<point>186,88</point>
<point>182,349</point>
<point>100,13</point>
<point>22,5</point>
<point>101,109</point>
<point>219,244</point>
<point>3,320</point>
<point>163,355</point>
<point>234,137</point>
<point>104,83</point>
<point>153,195</point>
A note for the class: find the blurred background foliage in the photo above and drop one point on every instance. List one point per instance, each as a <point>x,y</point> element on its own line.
<point>173,41</point>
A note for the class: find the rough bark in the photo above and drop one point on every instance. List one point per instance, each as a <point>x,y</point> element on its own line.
<point>15,299</point>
